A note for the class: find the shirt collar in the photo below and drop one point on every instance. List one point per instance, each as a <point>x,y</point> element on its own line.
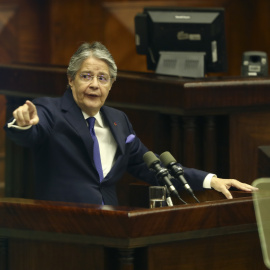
<point>98,116</point>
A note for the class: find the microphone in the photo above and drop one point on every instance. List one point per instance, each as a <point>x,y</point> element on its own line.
<point>153,163</point>
<point>169,161</point>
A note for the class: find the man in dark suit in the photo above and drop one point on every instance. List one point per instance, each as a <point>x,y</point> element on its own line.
<point>57,130</point>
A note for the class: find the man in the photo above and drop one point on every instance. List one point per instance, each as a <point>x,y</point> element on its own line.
<point>75,164</point>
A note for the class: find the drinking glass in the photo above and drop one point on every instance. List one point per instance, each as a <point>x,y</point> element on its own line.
<point>157,196</point>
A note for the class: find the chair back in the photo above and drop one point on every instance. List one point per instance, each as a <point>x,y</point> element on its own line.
<point>261,201</point>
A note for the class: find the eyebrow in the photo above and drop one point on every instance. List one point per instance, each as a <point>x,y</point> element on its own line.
<point>99,73</point>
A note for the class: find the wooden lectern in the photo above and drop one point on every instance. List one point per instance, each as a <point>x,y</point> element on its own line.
<point>220,234</point>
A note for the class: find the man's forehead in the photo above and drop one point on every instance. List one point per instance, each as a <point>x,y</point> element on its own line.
<point>94,64</point>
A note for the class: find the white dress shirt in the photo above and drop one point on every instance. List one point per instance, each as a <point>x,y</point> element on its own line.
<point>106,141</point>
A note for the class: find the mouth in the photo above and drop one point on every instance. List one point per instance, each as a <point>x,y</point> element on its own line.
<point>91,95</point>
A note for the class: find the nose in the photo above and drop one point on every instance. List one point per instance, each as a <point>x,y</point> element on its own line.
<point>94,82</point>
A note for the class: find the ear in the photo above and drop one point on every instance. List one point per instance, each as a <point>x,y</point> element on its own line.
<point>70,81</point>
<point>113,80</point>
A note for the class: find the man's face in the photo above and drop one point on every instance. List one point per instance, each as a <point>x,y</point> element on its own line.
<point>91,85</point>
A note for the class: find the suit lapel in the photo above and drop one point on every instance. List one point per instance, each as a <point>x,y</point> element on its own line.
<point>115,127</point>
<point>74,116</point>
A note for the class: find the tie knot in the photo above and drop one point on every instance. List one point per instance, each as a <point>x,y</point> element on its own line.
<point>91,122</point>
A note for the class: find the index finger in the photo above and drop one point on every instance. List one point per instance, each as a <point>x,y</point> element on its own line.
<point>31,106</point>
<point>242,186</point>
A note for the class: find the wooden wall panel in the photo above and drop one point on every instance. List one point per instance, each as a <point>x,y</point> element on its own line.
<point>32,32</point>
<point>33,255</point>
<point>48,32</point>
<point>71,24</point>
<point>240,254</point>
<point>8,53</point>
<point>263,163</point>
<point>246,135</point>
<point>2,146</point>
<point>8,32</point>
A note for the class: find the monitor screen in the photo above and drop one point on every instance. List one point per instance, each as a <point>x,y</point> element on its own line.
<point>185,40</point>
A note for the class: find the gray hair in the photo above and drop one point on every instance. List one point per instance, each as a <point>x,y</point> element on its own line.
<point>86,50</point>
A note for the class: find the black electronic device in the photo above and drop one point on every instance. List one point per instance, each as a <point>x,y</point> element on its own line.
<point>188,42</point>
<point>254,63</point>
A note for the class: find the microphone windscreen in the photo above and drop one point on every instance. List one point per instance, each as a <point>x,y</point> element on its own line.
<point>149,158</point>
<point>166,158</point>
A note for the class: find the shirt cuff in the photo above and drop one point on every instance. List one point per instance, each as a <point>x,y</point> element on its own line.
<point>207,180</point>
<point>12,125</point>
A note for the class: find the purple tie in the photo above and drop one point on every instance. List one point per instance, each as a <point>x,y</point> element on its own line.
<point>96,153</point>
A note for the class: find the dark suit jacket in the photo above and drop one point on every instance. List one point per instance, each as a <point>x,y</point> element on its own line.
<point>62,147</point>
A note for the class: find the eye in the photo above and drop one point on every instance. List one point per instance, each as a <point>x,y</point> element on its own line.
<point>103,78</point>
<point>86,77</point>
